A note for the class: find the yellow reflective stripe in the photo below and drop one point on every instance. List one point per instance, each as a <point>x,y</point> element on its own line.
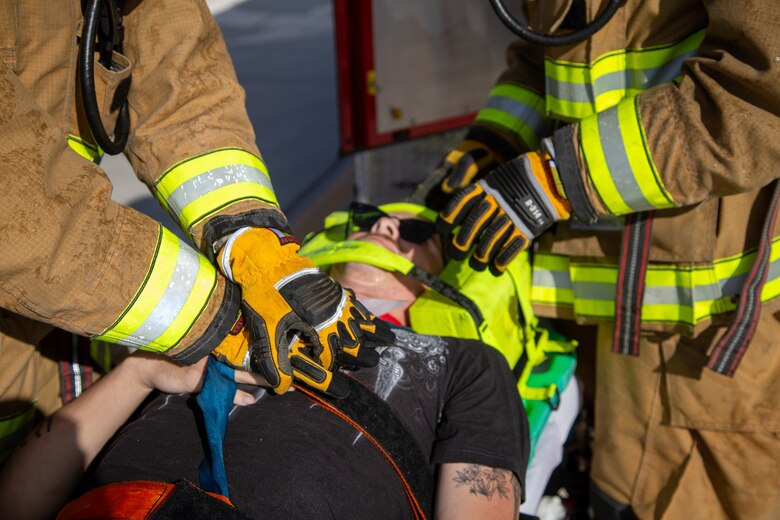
<point>598,171</point>
<point>196,188</point>
<point>87,150</point>
<point>645,173</point>
<point>196,301</point>
<point>551,281</point>
<point>171,298</point>
<point>673,294</point>
<point>577,90</point>
<point>517,110</point>
<point>220,198</point>
<point>100,352</point>
<point>619,163</point>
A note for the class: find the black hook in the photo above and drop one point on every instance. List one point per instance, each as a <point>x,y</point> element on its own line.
<point>109,39</point>
<point>548,40</point>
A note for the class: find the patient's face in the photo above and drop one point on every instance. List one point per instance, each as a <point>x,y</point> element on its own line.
<point>372,282</point>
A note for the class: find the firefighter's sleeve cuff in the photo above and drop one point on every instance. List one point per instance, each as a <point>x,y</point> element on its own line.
<point>217,330</point>
<point>218,228</point>
<point>567,161</point>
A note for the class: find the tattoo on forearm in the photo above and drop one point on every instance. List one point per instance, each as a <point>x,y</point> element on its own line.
<point>38,430</point>
<point>487,481</point>
<point>47,423</point>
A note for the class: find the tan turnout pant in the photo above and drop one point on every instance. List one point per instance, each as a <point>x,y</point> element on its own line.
<point>676,440</point>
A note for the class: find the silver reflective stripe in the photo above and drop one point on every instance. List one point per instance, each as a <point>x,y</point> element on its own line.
<point>708,292</point>
<point>211,180</point>
<point>668,295</point>
<point>522,111</point>
<point>594,291</point>
<point>617,161</point>
<point>551,279</point>
<point>172,302</point>
<point>774,271</point>
<point>637,79</point>
<point>579,92</point>
<point>733,285</point>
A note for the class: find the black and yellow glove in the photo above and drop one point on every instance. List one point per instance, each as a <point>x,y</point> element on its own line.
<point>502,213</point>
<point>469,161</point>
<point>302,323</point>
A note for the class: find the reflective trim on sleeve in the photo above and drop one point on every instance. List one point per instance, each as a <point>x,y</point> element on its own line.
<point>577,90</point>
<point>517,110</point>
<point>87,150</point>
<point>619,163</point>
<point>171,298</point>
<point>196,188</point>
<point>674,294</point>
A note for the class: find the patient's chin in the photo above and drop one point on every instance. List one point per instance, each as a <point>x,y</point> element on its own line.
<point>371,282</point>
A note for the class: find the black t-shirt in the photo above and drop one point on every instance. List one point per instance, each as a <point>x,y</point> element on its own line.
<point>286,457</point>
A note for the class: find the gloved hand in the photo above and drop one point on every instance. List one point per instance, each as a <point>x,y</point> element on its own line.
<point>469,161</point>
<point>503,212</point>
<point>301,322</point>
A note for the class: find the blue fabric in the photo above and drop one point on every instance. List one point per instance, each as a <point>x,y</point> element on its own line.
<point>216,401</point>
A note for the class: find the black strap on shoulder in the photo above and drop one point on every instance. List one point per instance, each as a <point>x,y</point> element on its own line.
<point>730,349</point>
<point>370,415</point>
<point>449,292</point>
<point>632,268</point>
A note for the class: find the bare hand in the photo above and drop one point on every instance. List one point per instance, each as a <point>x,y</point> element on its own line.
<point>159,373</point>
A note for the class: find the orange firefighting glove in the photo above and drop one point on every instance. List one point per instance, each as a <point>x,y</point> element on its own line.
<point>302,323</point>
<point>469,161</point>
<point>505,211</point>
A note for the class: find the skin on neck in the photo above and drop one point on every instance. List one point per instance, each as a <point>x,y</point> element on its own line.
<point>371,282</point>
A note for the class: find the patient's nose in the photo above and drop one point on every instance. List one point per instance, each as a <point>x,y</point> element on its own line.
<point>387,226</point>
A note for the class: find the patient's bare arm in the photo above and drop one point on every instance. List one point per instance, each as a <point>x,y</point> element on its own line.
<point>474,491</point>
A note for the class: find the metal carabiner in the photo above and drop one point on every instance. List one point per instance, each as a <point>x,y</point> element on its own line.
<point>109,36</point>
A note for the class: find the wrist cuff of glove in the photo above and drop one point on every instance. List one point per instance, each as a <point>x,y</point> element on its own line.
<point>520,195</point>
<point>500,146</point>
<point>219,228</point>
<point>568,164</point>
<point>217,330</point>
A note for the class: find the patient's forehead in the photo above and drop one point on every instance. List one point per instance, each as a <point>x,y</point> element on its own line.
<point>427,255</point>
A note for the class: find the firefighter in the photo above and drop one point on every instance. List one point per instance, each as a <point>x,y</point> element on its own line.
<point>74,259</point>
<point>643,163</point>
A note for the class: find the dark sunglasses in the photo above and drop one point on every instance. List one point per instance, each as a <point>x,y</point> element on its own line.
<point>364,216</point>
